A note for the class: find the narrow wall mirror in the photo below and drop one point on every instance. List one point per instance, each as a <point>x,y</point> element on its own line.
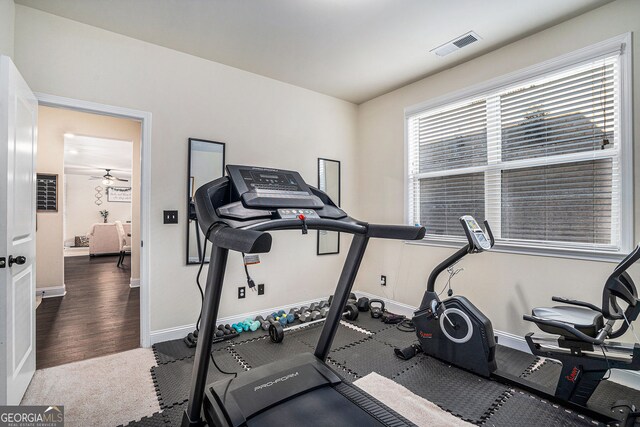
<point>206,163</point>
<point>329,182</point>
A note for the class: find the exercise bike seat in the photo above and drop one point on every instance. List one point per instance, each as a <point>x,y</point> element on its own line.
<point>587,321</point>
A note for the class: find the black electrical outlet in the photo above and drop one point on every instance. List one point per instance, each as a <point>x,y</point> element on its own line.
<point>383,280</point>
<point>170,217</point>
<point>241,292</point>
<point>261,289</point>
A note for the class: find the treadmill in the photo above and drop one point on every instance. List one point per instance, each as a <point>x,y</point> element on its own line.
<point>235,213</point>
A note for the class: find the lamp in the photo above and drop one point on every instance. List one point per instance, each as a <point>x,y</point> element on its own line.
<point>107,182</point>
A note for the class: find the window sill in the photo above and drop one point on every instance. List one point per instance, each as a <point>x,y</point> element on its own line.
<point>580,254</point>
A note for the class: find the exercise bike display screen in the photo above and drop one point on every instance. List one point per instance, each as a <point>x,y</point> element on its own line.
<point>473,225</point>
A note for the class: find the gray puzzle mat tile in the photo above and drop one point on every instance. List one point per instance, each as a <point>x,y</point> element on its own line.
<point>344,372</point>
<point>466,395</point>
<point>169,417</point>
<point>609,392</point>
<point>524,410</point>
<point>262,351</point>
<point>344,336</point>
<point>370,356</point>
<point>173,415</point>
<point>512,361</point>
<point>173,379</point>
<point>365,321</point>
<point>546,375</point>
<point>168,351</point>
<point>395,337</point>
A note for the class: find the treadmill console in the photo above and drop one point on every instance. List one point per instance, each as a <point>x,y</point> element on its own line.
<point>478,239</point>
<point>264,188</point>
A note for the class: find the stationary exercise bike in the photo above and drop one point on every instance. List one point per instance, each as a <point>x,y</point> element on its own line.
<point>457,332</point>
<point>454,329</point>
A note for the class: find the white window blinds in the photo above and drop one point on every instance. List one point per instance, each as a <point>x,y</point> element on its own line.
<point>539,159</point>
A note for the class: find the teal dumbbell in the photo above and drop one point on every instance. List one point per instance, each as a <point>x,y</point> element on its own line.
<point>238,328</point>
<point>253,325</point>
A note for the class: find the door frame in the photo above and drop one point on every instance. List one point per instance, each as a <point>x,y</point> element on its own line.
<point>145,193</point>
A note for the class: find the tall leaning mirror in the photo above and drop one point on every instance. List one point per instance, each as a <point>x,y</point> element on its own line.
<point>206,163</point>
<point>329,182</point>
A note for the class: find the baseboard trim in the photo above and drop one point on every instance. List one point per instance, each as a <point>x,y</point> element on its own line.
<point>391,305</point>
<point>134,283</point>
<point>52,291</point>
<point>181,331</point>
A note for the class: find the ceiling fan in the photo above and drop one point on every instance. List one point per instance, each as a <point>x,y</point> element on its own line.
<point>108,179</point>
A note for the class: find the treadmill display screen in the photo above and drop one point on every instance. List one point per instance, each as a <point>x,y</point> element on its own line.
<point>267,188</point>
<point>272,180</point>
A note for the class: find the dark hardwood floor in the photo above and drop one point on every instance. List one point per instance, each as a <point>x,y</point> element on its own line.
<point>99,315</point>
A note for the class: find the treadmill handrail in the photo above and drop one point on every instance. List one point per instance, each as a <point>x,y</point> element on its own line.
<point>240,240</point>
<point>311,223</point>
<point>397,232</point>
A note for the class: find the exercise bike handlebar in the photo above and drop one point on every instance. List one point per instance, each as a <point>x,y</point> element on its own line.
<point>470,247</point>
<point>488,230</point>
<point>576,302</point>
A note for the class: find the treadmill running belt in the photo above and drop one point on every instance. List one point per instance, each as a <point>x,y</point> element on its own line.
<point>321,407</point>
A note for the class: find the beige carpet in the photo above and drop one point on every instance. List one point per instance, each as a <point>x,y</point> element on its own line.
<point>105,391</point>
<point>411,406</point>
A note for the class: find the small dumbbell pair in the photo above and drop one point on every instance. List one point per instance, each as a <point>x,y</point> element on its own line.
<point>246,325</point>
<point>225,330</point>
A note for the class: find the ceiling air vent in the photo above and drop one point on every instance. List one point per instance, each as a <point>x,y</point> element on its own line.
<point>456,44</point>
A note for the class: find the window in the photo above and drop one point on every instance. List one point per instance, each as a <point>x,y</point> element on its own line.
<point>543,155</point>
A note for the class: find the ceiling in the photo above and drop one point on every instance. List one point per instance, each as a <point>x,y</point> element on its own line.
<point>350,49</point>
<point>86,155</point>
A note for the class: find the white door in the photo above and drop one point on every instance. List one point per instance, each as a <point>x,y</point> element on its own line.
<point>18,133</point>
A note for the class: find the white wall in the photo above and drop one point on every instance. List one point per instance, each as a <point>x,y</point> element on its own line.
<point>80,210</point>
<point>7,15</point>
<point>263,122</point>
<point>503,285</point>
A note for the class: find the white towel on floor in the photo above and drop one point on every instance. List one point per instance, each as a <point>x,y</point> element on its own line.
<point>411,406</point>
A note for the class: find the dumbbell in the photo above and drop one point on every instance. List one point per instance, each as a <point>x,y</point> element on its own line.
<point>281,317</point>
<point>251,325</point>
<point>263,323</point>
<point>352,299</point>
<point>310,316</point>
<point>237,327</point>
<point>276,332</point>
<point>363,304</point>
<point>224,329</point>
<point>272,319</point>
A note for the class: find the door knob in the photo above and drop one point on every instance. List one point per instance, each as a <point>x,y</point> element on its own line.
<point>17,260</point>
